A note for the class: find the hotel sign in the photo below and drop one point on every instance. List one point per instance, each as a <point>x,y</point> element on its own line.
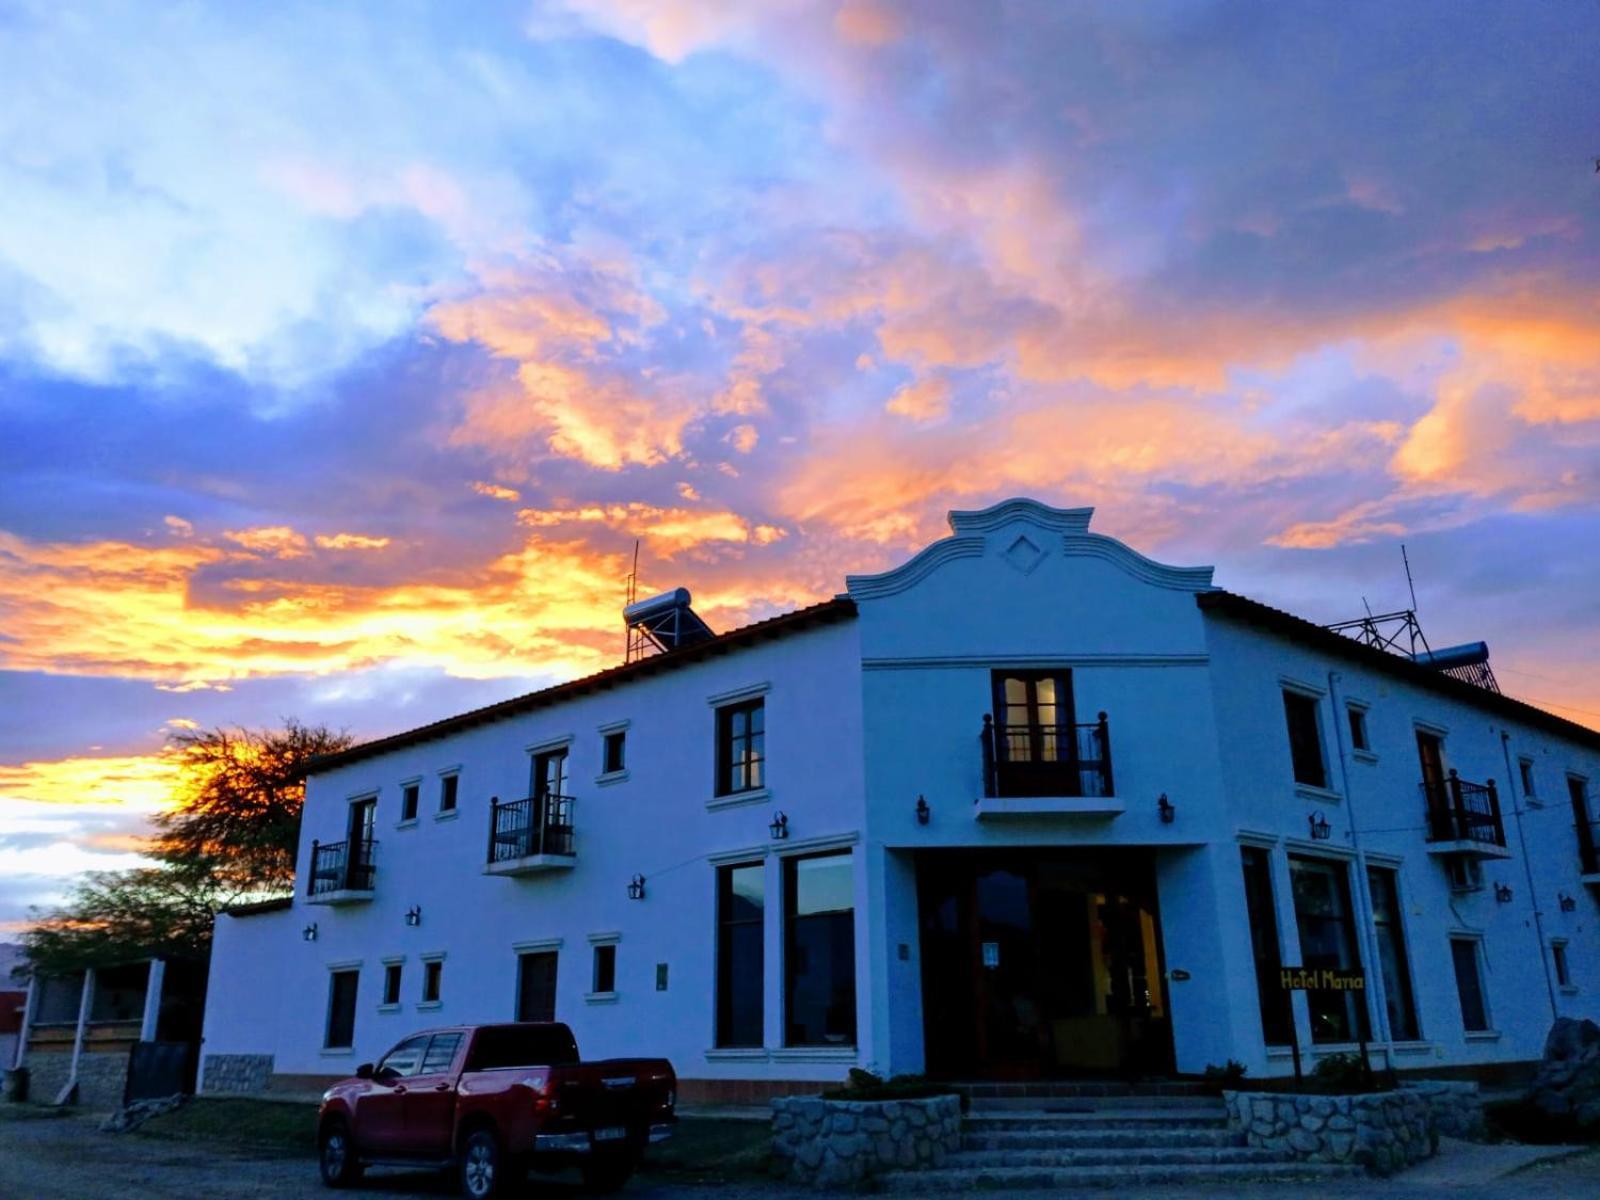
<point>1322,979</point>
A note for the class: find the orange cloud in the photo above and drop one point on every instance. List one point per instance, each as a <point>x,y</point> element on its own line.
<point>276,541</point>
<point>667,530</point>
<point>496,492</point>
<point>350,541</point>
<point>140,781</point>
<point>921,400</point>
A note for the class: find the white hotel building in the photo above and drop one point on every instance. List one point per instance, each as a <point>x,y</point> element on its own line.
<point>1028,806</point>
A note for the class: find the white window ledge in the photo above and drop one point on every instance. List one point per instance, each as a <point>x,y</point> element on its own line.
<point>761,795</point>
<point>607,778</point>
<point>408,823</point>
<point>338,1052</point>
<point>737,1054</point>
<point>600,997</point>
<point>429,1005</point>
<point>1308,791</point>
<point>1483,1035</point>
<point>815,1054</point>
<point>1405,1048</point>
<point>1366,756</point>
<point>387,1008</point>
<point>449,814</point>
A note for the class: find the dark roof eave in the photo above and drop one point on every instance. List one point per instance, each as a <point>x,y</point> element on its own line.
<point>1231,604</point>
<point>828,612</point>
<point>257,907</point>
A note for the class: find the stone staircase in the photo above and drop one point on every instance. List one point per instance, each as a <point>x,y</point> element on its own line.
<point>1109,1136</point>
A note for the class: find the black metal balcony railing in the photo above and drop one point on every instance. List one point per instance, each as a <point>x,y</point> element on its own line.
<point>1459,811</point>
<point>1589,847</point>
<point>1046,760</point>
<point>537,825</point>
<point>343,866</point>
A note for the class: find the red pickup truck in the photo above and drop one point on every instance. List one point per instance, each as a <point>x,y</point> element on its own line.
<point>493,1102</point>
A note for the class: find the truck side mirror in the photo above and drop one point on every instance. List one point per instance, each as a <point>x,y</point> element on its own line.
<point>364,1071</point>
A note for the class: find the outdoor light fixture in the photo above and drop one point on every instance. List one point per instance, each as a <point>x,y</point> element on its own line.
<point>923,811</point>
<point>1321,831</point>
<point>1502,893</point>
<point>310,932</point>
<point>780,826</point>
<point>414,915</point>
<point>1568,904</point>
<point>1167,809</point>
<point>636,888</point>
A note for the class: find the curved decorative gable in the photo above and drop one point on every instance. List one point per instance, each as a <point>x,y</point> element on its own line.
<point>971,538</point>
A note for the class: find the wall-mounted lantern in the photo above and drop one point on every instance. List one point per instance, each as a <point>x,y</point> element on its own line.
<point>1568,903</point>
<point>309,933</point>
<point>923,811</point>
<point>1167,809</point>
<point>1502,893</point>
<point>779,829</point>
<point>636,888</point>
<point>1321,831</point>
<point>414,915</point>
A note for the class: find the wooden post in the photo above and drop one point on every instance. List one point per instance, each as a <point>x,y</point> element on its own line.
<point>152,1000</point>
<point>68,1088</point>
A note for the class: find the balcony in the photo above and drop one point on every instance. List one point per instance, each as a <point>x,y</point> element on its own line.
<point>342,872</point>
<point>530,836</point>
<point>1463,818</point>
<point>1046,770</point>
<point>1589,851</point>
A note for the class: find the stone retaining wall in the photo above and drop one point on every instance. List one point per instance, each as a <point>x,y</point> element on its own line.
<point>1382,1131</point>
<point>236,1074</point>
<point>1457,1107</point>
<point>102,1077</point>
<point>843,1143</point>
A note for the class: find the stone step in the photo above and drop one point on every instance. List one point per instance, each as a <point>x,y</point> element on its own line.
<point>1018,1178</point>
<point>1111,1156</point>
<point>1023,1140</point>
<point>1115,1118</point>
<point>1004,1104</point>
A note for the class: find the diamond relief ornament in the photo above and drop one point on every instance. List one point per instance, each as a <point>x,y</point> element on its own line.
<point>1023,554</point>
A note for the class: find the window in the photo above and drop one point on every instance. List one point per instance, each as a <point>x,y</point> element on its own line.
<point>441,1053</point>
<point>605,968</point>
<point>741,747</point>
<point>410,795</point>
<point>1327,939</point>
<point>1558,951</point>
<point>549,774</point>
<point>405,1060</point>
<point>391,983</point>
<point>1277,1017</point>
<point>432,978</point>
<point>1469,982</point>
<point>341,1034</point>
<point>1525,770</point>
<point>613,756</point>
<point>536,986</point>
<point>1464,874</point>
<point>741,940</point>
<point>1305,739</point>
<point>499,1046</point>
<point>449,785</point>
<point>1358,729</point>
<point>1391,938</point>
<point>819,957</point>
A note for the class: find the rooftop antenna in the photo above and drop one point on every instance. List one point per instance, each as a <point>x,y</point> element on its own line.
<point>1409,584</point>
<point>631,593</point>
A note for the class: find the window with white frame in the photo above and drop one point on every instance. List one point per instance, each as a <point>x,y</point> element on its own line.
<point>1466,953</point>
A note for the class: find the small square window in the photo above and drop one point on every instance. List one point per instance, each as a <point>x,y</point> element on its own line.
<point>615,757</point>
<point>605,968</point>
<point>448,788</point>
<point>391,983</point>
<point>1558,951</point>
<point>432,978</point>
<point>1525,770</point>
<point>409,797</point>
<point>1358,729</point>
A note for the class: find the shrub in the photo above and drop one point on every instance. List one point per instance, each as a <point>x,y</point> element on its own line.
<point>1229,1075</point>
<point>1523,1121</point>
<point>864,1085</point>
<point>1341,1074</point>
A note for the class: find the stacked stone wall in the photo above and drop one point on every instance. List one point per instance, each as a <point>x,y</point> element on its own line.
<point>236,1074</point>
<point>1457,1108</point>
<point>1382,1131</point>
<point>844,1143</point>
<point>102,1077</point>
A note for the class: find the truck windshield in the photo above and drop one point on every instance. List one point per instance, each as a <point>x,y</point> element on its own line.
<point>522,1046</point>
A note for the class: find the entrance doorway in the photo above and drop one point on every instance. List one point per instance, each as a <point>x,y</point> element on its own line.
<point>1042,964</point>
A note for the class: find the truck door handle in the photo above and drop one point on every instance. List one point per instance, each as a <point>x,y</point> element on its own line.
<point>441,1087</point>
<point>399,1089</point>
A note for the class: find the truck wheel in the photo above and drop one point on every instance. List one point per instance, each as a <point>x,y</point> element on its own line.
<point>483,1168</point>
<point>605,1175</point>
<point>336,1156</point>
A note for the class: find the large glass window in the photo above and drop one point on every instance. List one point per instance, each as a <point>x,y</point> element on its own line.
<point>441,1053</point>
<point>1305,739</point>
<point>1390,929</point>
<point>341,1031</point>
<point>1328,939</point>
<point>1277,1017</point>
<point>1469,983</point>
<point>741,747</point>
<point>741,916</point>
<point>819,951</point>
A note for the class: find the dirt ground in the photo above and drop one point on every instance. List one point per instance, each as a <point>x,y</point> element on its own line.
<point>70,1159</point>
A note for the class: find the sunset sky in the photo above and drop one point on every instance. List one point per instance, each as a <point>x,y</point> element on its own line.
<point>345,349</point>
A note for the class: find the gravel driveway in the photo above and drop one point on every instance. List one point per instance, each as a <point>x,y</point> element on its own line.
<point>70,1159</point>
